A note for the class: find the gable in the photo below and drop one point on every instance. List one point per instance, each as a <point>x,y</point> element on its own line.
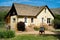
<point>11,12</point>
<point>26,10</point>
<point>46,9</point>
<point>50,11</point>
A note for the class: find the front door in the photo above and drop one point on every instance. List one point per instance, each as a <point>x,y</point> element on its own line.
<point>21,26</point>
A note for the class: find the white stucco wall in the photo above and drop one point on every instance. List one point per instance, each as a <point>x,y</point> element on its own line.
<point>23,20</point>
<point>13,23</point>
<point>45,16</point>
<point>37,21</point>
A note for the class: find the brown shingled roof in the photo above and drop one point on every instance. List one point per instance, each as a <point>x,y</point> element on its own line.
<point>27,10</point>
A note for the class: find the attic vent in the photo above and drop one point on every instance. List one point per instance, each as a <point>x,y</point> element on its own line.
<point>13,13</point>
<point>45,9</point>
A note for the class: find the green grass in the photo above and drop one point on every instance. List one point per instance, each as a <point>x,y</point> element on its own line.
<point>31,37</point>
<point>2,26</point>
<point>35,37</point>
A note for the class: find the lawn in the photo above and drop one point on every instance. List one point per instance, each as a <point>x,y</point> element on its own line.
<point>2,26</point>
<point>31,37</point>
<point>28,37</point>
<point>35,37</point>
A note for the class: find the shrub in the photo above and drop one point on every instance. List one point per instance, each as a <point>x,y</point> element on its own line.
<point>10,34</point>
<point>56,23</point>
<point>36,28</point>
<point>7,34</point>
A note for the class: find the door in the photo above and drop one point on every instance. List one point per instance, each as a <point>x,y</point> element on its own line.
<point>21,26</point>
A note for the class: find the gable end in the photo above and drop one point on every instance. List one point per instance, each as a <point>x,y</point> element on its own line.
<point>48,9</point>
<point>10,13</point>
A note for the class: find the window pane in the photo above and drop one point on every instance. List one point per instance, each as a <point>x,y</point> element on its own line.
<point>25,19</point>
<point>48,20</point>
<point>31,20</point>
<point>13,19</point>
<point>42,20</point>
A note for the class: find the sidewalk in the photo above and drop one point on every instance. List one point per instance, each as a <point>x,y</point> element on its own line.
<point>36,32</point>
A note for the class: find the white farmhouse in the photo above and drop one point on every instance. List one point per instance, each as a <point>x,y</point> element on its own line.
<point>29,15</point>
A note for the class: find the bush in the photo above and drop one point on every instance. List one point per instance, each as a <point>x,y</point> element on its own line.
<point>56,23</point>
<point>36,28</point>
<point>7,34</point>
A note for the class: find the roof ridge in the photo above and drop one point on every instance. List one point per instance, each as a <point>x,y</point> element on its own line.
<point>28,5</point>
<point>28,10</point>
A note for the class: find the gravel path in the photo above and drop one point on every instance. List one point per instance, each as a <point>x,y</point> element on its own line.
<point>35,32</point>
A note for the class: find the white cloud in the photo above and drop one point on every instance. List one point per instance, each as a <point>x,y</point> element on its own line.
<point>6,3</point>
<point>58,2</point>
<point>13,1</point>
<point>26,0</point>
<point>21,1</point>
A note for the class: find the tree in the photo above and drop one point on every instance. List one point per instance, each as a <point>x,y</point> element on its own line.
<point>56,21</point>
<point>2,15</point>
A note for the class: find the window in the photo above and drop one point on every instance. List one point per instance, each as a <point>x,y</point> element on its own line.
<point>13,19</point>
<point>31,20</point>
<point>42,20</point>
<point>48,20</point>
<point>25,19</point>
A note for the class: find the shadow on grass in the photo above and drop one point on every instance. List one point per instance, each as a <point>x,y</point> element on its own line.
<point>57,36</point>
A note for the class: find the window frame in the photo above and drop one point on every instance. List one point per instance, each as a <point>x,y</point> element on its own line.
<point>25,19</point>
<point>32,20</point>
<point>14,19</point>
<point>48,20</point>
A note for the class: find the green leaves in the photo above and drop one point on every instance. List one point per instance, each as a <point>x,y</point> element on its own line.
<point>57,16</point>
<point>2,15</point>
<point>7,34</point>
<point>56,21</point>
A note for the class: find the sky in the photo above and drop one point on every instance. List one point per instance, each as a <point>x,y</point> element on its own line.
<point>49,3</point>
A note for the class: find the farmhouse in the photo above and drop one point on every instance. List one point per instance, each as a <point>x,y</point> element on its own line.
<point>30,15</point>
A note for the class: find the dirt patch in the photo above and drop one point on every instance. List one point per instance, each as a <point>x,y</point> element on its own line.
<point>34,32</point>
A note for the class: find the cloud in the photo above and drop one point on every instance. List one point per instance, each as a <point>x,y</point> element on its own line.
<point>22,0</point>
<point>26,0</point>
<point>50,3</point>
<point>9,3</point>
<point>6,3</point>
<point>32,2</point>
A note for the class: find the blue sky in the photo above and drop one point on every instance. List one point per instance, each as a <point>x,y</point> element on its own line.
<point>50,3</point>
